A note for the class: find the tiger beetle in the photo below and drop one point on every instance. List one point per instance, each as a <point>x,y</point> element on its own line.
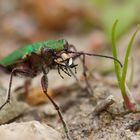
<point>38,57</point>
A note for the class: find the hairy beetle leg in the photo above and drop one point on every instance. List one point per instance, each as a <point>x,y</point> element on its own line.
<point>44,83</point>
<point>85,69</point>
<point>15,70</point>
<point>88,86</point>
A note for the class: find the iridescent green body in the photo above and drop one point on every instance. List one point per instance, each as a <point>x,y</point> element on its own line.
<point>36,58</point>
<point>21,53</point>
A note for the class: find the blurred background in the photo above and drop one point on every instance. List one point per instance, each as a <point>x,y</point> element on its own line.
<point>86,24</point>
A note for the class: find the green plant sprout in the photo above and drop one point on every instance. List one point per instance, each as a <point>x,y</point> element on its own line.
<point>121,73</point>
<point>131,77</point>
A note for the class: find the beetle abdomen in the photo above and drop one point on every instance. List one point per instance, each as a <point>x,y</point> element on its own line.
<point>20,54</point>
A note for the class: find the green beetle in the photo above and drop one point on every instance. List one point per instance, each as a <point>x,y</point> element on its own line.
<point>40,57</point>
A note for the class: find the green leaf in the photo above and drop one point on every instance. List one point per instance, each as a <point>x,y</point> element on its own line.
<point>126,13</point>
<point>114,52</point>
<point>130,81</point>
<point>125,66</point>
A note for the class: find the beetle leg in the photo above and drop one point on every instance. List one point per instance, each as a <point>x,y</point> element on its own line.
<point>58,68</point>
<point>73,74</point>
<point>9,90</point>
<point>90,91</point>
<point>27,85</point>
<point>65,70</point>
<point>44,83</point>
<point>75,70</point>
<point>15,70</point>
<point>85,69</point>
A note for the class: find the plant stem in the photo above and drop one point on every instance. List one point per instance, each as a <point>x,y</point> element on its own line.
<point>128,99</point>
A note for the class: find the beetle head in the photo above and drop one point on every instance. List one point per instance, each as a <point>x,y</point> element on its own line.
<point>68,48</point>
<point>63,57</point>
<point>65,60</point>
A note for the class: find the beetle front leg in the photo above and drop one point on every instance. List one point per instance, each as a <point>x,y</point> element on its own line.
<point>44,83</point>
<point>89,88</point>
<point>85,69</point>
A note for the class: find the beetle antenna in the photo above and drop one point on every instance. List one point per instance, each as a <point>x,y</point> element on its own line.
<point>97,55</point>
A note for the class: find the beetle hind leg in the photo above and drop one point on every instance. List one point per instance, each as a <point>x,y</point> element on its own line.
<point>25,71</point>
<point>9,90</point>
